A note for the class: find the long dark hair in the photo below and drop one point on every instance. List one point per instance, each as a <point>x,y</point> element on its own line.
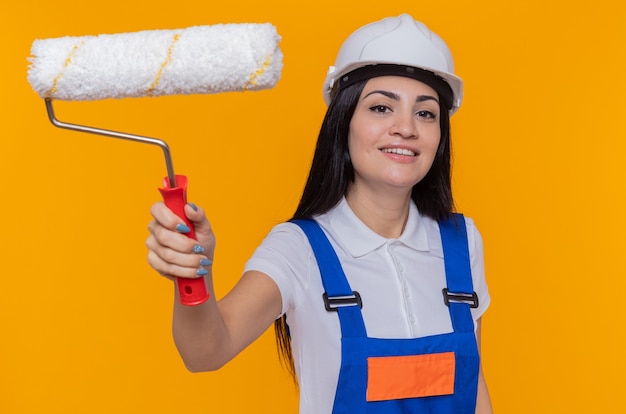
<point>332,172</point>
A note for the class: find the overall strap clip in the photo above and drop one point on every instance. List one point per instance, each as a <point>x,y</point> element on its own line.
<point>335,302</point>
<point>469,298</point>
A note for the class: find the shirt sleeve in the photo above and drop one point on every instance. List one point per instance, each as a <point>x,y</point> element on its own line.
<point>475,243</point>
<point>285,256</point>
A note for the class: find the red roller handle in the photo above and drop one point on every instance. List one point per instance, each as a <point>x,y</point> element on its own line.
<point>191,291</point>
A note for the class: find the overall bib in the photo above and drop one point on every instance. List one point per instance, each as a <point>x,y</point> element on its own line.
<point>435,374</point>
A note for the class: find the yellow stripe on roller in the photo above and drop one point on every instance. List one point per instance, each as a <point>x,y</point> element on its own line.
<point>253,77</point>
<point>168,60</point>
<point>67,62</point>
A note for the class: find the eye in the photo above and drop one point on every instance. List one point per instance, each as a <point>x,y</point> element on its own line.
<point>425,114</point>
<point>380,109</point>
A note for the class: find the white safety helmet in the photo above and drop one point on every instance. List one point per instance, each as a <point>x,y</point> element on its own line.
<point>395,41</point>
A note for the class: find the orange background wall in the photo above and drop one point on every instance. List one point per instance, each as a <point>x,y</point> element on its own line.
<point>539,148</point>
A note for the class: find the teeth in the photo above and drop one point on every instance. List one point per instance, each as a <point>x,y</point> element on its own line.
<point>399,151</point>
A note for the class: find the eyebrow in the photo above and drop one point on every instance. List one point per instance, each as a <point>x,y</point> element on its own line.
<point>396,97</point>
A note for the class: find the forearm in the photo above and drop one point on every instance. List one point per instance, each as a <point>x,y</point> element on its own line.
<point>483,401</point>
<point>200,333</point>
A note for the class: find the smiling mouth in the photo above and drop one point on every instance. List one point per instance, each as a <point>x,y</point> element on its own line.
<point>399,151</point>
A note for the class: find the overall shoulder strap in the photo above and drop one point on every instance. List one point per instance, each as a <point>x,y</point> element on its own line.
<point>459,294</point>
<point>338,294</point>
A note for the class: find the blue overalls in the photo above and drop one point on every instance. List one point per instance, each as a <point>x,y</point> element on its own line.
<point>433,374</point>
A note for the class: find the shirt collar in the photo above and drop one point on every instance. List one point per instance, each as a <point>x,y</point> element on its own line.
<point>358,239</point>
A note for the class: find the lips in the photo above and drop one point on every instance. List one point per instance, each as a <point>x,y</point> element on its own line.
<point>399,151</point>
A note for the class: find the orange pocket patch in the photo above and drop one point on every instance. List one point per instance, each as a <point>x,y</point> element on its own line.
<point>411,376</point>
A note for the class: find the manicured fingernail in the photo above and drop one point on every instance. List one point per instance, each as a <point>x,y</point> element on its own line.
<point>182,228</point>
<point>192,205</point>
<point>198,249</point>
<point>206,262</point>
<point>202,272</point>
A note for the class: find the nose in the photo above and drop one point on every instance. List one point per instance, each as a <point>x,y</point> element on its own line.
<point>404,125</point>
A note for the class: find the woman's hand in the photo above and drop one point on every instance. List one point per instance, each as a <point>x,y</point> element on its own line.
<point>170,251</point>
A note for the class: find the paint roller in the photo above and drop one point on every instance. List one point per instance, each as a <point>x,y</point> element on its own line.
<point>195,60</point>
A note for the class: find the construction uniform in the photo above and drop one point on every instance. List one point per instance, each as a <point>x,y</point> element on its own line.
<point>434,374</point>
<point>400,282</point>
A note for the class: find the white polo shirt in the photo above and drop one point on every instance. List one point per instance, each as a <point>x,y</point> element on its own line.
<point>399,280</point>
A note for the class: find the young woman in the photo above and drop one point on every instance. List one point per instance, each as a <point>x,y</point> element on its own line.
<point>375,287</point>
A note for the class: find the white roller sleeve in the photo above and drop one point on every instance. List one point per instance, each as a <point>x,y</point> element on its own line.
<point>196,60</point>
